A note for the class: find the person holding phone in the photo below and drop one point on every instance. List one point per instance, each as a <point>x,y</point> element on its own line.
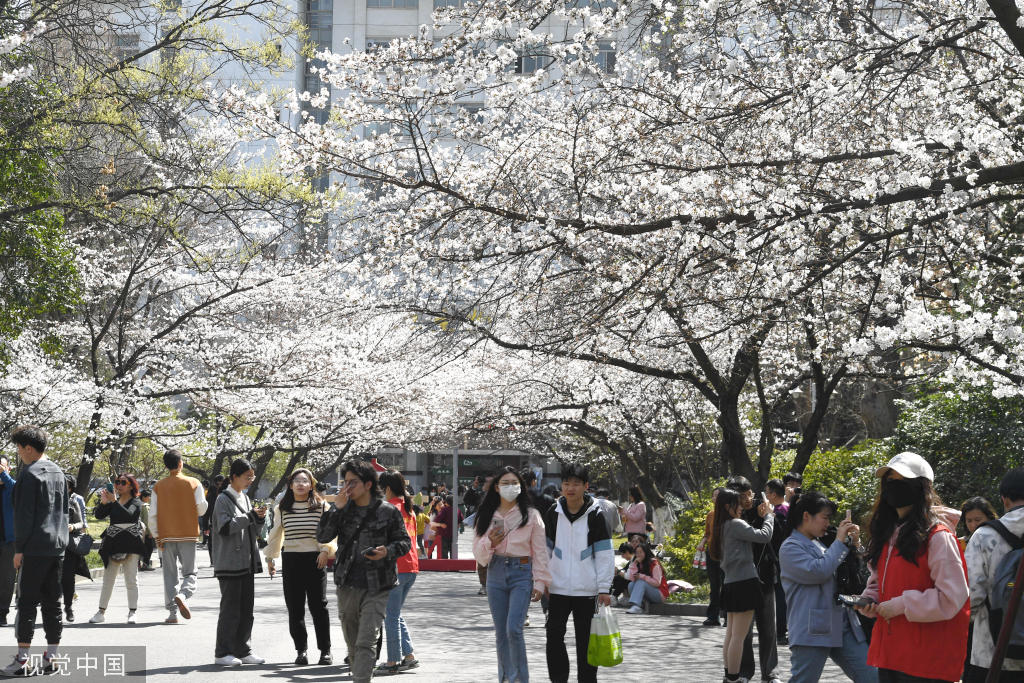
<point>123,542</point>
<point>236,561</point>
<point>371,536</point>
<point>819,627</point>
<point>918,582</point>
<point>511,543</point>
<point>731,541</point>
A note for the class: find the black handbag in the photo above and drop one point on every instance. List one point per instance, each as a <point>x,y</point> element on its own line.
<point>80,544</point>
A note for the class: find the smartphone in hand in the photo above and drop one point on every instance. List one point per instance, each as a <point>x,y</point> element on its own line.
<point>369,551</point>
<point>855,600</point>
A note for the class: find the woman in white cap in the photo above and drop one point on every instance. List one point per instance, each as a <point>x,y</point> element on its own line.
<point>918,584</point>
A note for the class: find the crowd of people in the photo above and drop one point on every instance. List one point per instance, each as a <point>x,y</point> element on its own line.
<point>916,604</point>
<point>779,561</point>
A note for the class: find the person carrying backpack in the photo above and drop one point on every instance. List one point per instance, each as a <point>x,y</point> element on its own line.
<point>993,554</point>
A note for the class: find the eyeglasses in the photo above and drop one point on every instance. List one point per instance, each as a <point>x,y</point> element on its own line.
<point>121,482</point>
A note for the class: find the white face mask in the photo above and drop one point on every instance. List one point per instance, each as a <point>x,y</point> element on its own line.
<point>509,491</point>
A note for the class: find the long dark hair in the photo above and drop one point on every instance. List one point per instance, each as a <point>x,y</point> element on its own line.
<point>645,566</point>
<point>912,540</point>
<point>485,513</point>
<point>288,499</point>
<point>637,496</point>
<point>726,500</point>
<point>393,479</point>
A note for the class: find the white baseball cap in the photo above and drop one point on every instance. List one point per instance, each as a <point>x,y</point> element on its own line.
<point>909,465</point>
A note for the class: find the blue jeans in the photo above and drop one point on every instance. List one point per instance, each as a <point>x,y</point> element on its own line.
<point>638,590</point>
<point>806,662</point>
<point>399,642</point>
<point>509,585</point>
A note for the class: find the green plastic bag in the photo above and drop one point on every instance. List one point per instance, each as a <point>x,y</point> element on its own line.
<point>605,648</point>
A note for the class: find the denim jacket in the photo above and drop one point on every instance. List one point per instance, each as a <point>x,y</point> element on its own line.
<point>385,527</point>
<point>809,579</point>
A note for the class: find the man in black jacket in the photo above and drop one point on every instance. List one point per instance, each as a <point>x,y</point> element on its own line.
<point>41,535</point>
<point>371,537</point>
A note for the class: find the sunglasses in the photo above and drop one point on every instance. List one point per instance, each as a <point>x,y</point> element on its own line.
<point>121,482</point>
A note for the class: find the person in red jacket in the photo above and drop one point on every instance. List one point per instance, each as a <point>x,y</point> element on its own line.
<point>918,581</point>
<point>400,647</point>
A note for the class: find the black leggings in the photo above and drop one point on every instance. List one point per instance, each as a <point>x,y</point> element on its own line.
<point>67,578</point>
<point>303,583</point>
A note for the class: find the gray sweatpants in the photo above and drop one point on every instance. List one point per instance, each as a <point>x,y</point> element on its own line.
<point>362,614</point>
<point>176,552</point>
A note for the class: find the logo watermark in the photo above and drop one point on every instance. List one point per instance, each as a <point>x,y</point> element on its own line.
<point>85,662</point>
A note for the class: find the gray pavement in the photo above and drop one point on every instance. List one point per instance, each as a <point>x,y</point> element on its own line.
<point>450,625</point>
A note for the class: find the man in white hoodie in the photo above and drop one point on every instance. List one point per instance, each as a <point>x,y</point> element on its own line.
<point>582,565</point>
<point>985,550</point>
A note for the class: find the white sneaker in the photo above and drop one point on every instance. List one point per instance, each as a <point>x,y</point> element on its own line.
<point>252,659</point>
<point>131,616</point>
<point>18,668</point>
<point>98,618</point>
<point>228,660</point>
<point>635,609</point>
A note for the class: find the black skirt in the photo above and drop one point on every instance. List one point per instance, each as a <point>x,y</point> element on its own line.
<point>741,596</point>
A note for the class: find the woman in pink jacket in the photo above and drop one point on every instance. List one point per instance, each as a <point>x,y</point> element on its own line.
<point>510,542</point>
<point>634,515</point>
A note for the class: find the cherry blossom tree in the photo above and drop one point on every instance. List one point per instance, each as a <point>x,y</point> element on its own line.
<point>750,198</point>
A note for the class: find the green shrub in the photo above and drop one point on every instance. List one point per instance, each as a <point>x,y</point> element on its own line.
<point>679,548</point>
<point>845,475</point>
<point>970,439</point>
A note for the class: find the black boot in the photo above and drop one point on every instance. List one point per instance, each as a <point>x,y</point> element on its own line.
<point>302,660</point>
<point>325,657</point>
<point>69,615</point>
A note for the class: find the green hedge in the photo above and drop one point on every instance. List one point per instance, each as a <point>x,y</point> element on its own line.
<point>845,475</point>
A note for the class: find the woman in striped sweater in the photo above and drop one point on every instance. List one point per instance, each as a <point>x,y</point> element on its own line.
<point>303,562</point>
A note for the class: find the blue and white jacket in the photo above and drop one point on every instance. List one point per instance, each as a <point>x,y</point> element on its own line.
<point>582,561</point>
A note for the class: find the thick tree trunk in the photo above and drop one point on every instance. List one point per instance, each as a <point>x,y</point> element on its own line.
<point>260,468</point>
<point>824,390</point>
<point>1007,15</point>
<point>88,463</point>
<point>324,472</point>
<point>297,457</point>
<point>734,446</point>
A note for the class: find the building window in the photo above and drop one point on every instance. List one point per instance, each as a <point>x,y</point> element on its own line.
<point>532,62</point>
<point>374,44</point>
<point>393,4</point>
<point>125,45</point>
<point>442,4</point>
<point>605,57</point>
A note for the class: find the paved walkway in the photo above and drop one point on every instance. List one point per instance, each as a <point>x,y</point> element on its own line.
<point>450,625</point>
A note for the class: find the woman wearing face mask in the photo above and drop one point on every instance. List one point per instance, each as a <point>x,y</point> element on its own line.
<point>918,581</point>
<point>510,542</point>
